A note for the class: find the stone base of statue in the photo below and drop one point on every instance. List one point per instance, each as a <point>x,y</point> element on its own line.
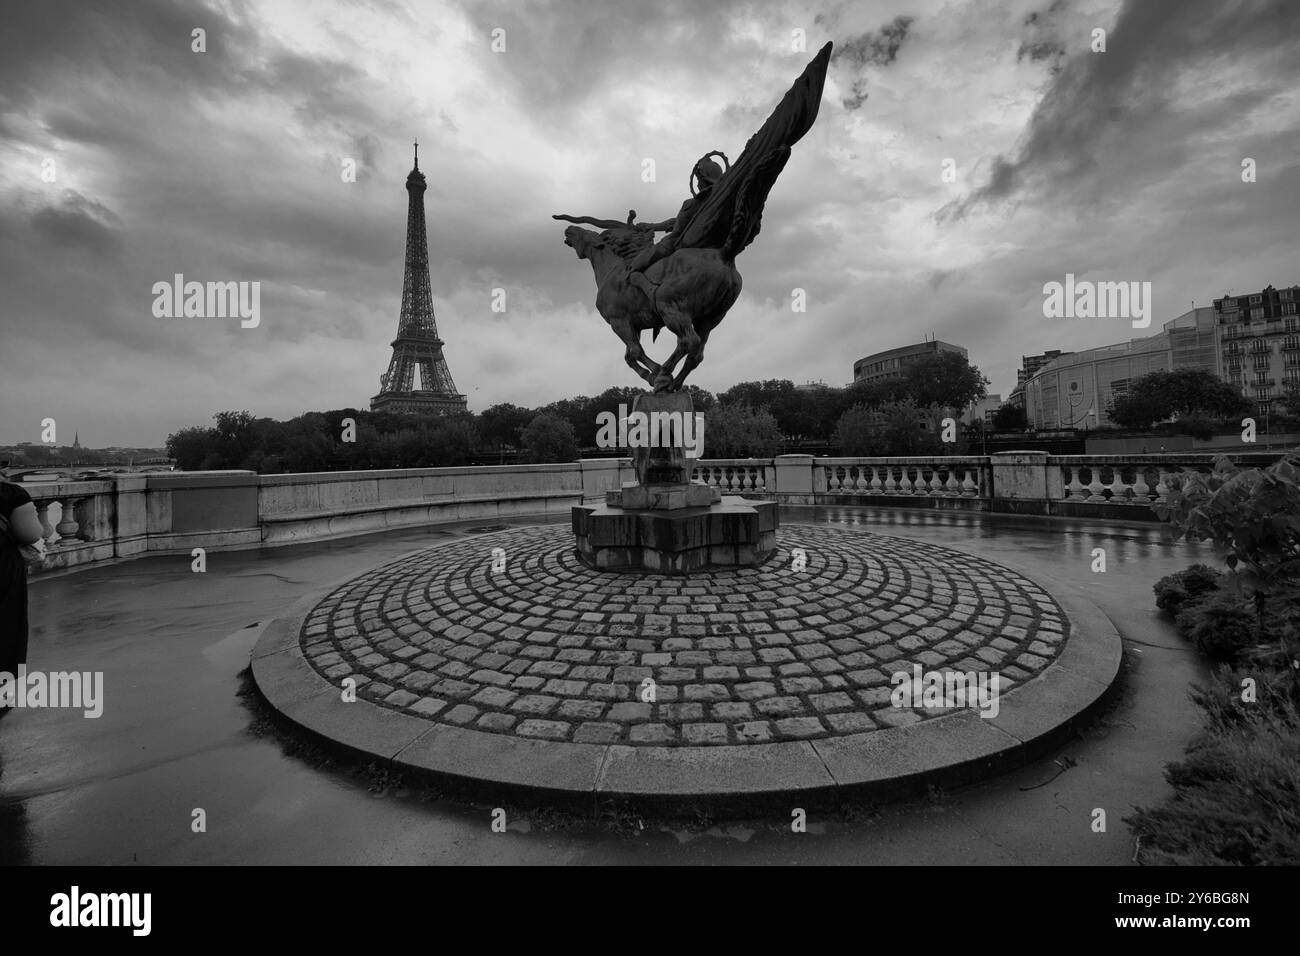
<point>664,522</point>
<point>732,533</point>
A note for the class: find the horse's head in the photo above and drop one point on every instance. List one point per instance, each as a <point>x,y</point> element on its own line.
<point>578,239</point>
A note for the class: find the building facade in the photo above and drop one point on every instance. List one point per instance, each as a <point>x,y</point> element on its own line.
<point>983,410</point>
<point>1259,341</point>
<point>891,362</point>
<point>1075,389</point>
<point>1030,365</point>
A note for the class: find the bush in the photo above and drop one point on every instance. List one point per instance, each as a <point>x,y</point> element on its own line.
<point>1176,590</point>
<point>1221,627</point>
<point>1235,794</point>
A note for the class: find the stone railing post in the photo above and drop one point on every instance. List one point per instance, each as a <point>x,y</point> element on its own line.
<point>795,479</point>
<point>1020,483</point>
<point>130,525</point>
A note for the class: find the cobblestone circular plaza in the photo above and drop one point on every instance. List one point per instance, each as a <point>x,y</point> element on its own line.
<point>507,638</point>
<point>548,648</point>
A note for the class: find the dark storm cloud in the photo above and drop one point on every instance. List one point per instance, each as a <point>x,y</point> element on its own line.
<point>857,96</point>
<point>149,43</point>
<point>1102,100</point>
<point>875,47</point>
<point>143,39</point>
<point>1040,50</point>
<point>78,221</point>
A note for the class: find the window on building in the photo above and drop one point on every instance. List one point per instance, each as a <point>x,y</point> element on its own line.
<point>1256,314</point>
<point>1288,308</point>
<point>1256,299</point>
<point>1286,295</point>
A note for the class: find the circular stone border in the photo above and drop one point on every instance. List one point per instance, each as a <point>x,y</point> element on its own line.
<point>949,750</point>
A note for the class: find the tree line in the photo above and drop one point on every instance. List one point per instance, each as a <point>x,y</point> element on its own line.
<point>903,415</point>
<point>750,419</point>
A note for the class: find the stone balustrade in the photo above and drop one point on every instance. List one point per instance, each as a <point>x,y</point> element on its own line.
<point>735,476</point>
<point>174,512</point>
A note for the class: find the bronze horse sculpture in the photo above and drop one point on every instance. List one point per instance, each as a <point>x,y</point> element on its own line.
<point>687,281</point>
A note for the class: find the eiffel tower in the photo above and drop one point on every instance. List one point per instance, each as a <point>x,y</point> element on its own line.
<point>417,344</point>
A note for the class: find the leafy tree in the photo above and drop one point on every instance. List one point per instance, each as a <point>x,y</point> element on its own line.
<point>236,437</point>
<point>702,398</point>
<point>501,424</point>
<point>857,433</point>
<point>740,431</point>
<point>549,438</point>
<point>757,394</point>
<point>1180,393</point>
<point>1010,418</point>
<point>190,446</point>
<point>945,379</point>
<point>895,429</point>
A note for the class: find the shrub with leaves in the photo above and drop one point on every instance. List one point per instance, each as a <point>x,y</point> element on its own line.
<point>1176,590</point>
<point>1221,627</point>
<point>1252,513</point>
<point>1237,793</point>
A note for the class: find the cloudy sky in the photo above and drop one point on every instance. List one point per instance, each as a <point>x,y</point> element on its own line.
<point>227,165</point>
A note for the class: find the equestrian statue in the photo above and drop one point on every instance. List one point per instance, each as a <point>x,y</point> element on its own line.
<point>687,281</point>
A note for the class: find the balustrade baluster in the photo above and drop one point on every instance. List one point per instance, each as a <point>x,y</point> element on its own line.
<point>1095,487</point>
<point>1162,488</point>
<point>1121,490</point>
<point>67,526</point>
<point>1141,491</point>
<point>1073,486</point>
<point>43,515</point>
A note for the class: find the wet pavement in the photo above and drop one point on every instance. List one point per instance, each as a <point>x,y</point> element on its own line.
<point>175,737</point>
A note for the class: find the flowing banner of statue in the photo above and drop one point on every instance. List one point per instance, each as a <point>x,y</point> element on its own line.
<point>687,281</point>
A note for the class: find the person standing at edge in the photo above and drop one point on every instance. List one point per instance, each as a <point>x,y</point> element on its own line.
<point>19,525</point>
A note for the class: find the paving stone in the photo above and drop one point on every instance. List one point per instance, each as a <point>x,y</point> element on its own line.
<point>535,704</point>
<point>496,722</point>
<point>460,714</point>
<point>699,734</point>
<point>547,729</point>
<point>597,733</point>
<point>630,711</point>
<point>651,734</point>
<point>799,727</point>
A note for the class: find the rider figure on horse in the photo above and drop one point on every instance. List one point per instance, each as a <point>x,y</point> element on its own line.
<point>706,174</point>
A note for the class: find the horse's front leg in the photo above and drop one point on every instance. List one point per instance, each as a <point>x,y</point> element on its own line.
<point>633,354</point>
<point>688,341</point>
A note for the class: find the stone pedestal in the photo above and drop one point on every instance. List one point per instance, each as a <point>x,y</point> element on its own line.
<point>734,532</point>
<point>663,521</point>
